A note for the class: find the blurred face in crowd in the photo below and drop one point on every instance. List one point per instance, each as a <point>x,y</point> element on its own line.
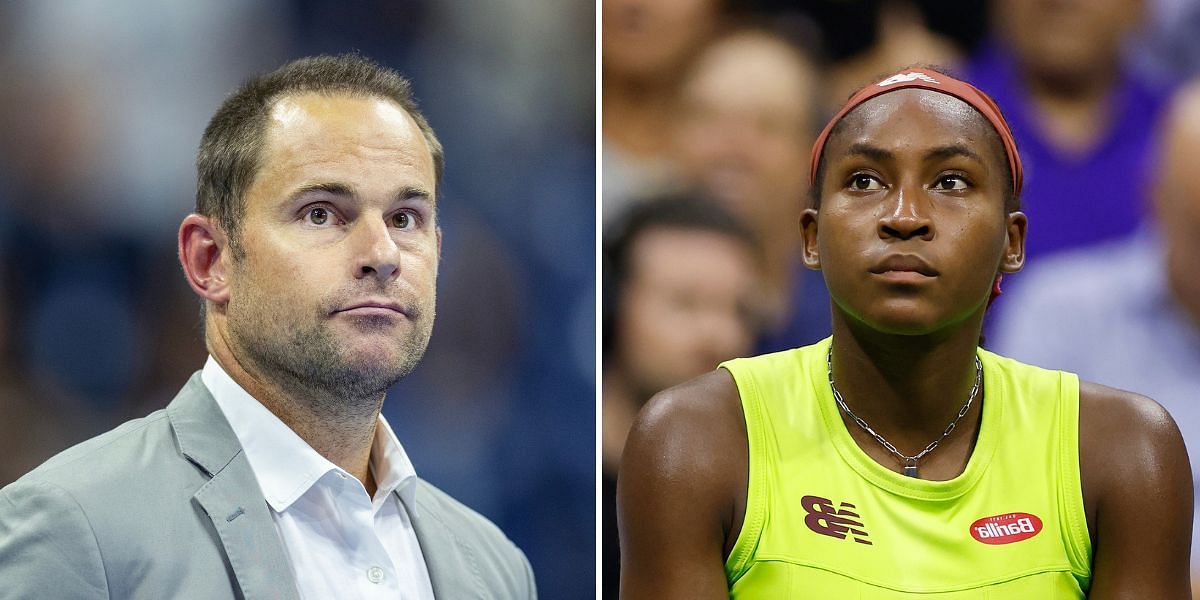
<point>743,128</point>
<point>1058,38</point>
<point>685,306</point>
<point>913,224</point>
<point>336,285</point>
<point>1177,199</point>
<point>645,39</point>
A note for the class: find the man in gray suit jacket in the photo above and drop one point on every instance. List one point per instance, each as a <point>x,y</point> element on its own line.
<point>314,247</point>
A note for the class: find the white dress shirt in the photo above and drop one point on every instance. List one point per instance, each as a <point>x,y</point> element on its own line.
<point>341,542</point>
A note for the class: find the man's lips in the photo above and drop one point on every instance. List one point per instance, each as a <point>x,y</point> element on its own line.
<point>907,267</point>
<point>373,307</point>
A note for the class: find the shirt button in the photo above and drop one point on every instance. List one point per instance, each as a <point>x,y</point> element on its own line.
<point>374,574</point>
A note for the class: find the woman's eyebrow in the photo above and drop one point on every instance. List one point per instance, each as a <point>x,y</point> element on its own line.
<point>869,151</point>
<point>951,150</point>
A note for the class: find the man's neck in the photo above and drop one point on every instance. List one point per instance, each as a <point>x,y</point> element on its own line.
<point>781,255</point>
<point>340,429</point>
<point>636,115</point>
<point>1074,112</point>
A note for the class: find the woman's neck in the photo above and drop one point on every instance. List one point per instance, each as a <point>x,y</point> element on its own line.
<point>908,388</point>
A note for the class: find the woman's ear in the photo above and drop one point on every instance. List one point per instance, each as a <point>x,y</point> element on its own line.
<point>1014,243</point>
<point>808,235</point>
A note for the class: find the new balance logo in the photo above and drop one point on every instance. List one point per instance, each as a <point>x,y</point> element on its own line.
<point>1006,528</point>
<point>903,77</point>
<point>825,520</point>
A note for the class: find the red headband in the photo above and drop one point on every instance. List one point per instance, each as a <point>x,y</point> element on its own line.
<point>939,82</point>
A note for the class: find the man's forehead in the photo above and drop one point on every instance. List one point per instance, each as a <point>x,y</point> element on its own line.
<point>344,112</point>
<point>752,67</point>
<point>351,142</point>
<point>306,127</point>
<point>660,245</point>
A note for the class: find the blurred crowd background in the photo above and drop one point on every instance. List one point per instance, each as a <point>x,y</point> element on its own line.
<point>100,115</point>
<point>709,112</point>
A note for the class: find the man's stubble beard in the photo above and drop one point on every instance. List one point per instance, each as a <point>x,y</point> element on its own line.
<point>305,359</point>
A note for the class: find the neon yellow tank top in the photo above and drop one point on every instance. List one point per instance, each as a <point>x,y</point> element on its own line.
<point>823,520</point>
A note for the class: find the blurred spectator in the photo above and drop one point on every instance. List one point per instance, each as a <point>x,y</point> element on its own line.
<point>98,136</point>
<point>32,425</point>
<point>902,37</point>
<point>679,276</point>
<point>923,31</point>
<point>1083,121</point>
<point>741,135</point>
<point>645,44</point>
<point>1168,48</point>
<point>510,89</point>
<point>1127,313</point>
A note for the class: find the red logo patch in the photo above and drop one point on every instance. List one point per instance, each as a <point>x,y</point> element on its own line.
<point>1006,528</point>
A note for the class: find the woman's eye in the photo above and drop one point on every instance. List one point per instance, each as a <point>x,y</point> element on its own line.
<point>318,215</point>
<point>951,182</point>
<point>865,183</point>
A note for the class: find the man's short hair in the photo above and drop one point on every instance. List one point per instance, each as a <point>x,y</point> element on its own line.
<point>677,212</point>
<point>231,149</point>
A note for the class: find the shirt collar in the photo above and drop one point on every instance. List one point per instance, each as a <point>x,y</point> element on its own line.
<point>285,466</point>
<point>391,466</point>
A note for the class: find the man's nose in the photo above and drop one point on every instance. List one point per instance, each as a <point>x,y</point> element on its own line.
<point>377,254</point>
<point>907,216</point>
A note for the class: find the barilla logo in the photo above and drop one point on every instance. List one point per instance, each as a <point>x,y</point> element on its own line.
<point>903,77</point>
<point>1006,528</point>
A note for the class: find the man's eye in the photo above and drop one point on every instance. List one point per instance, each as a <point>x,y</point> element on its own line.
<point>317,215</point>
<point>865,183</point>
<point>950,182</point>
<point>402,220</point>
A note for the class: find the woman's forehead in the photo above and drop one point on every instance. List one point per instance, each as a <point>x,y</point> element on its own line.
<point>921,115</point>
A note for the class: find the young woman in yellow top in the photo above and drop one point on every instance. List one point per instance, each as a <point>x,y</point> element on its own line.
<point>897,459</point>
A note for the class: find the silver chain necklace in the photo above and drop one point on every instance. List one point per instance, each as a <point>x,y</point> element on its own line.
<point>910,462</point>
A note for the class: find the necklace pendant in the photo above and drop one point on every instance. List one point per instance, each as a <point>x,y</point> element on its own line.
<point>910,470</point>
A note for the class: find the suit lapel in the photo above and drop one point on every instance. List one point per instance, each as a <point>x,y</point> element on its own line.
<point>232,498</point>
<point>452,570</point>
<point>243,522</point>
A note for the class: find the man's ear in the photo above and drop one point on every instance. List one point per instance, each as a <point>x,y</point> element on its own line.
<point>203,250</point>
<point>1014,243</point>
<point>808,235</point>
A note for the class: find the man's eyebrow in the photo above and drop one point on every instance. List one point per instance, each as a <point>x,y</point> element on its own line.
<point>332,188</point>
<point>943,152</point>
<point>416,194</point>
<point>406,194</point>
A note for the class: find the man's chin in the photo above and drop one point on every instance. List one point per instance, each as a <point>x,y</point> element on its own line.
<point>365,376</point>
<point>385,354</point>
<point>374,359</point>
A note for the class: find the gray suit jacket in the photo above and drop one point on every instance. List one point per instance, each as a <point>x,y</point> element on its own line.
<point>167,507</point>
